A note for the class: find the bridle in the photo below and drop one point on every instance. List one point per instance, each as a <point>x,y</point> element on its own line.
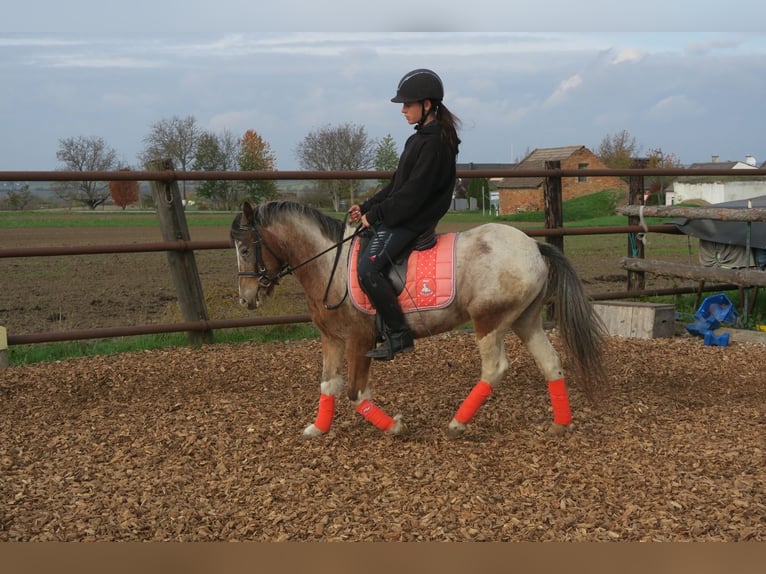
<point>260,271</point>
<point>266,280</point>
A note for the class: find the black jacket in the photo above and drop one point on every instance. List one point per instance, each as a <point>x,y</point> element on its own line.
<point>420,192</point>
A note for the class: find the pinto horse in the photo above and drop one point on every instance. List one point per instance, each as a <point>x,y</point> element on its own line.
<point>503,280</point>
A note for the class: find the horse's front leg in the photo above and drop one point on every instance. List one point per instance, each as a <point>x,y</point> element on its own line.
<point>359,390</point>
<point>330,388</point>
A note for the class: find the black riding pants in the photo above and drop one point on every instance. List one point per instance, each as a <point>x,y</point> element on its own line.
<point>372,268</point>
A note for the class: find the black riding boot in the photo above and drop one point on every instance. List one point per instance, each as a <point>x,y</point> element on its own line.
<point>399,341</point>
<point>396,336</point>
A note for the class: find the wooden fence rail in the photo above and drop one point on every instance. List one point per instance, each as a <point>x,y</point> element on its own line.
<point>752,214</point>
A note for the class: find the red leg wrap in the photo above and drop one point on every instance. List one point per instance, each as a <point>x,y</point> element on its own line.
<point>473,401</point>
<point>375,415</point>
<point>326,412</point>
<point>558,392</point>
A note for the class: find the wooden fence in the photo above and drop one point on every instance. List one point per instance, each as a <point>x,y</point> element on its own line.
<point>180,249</point>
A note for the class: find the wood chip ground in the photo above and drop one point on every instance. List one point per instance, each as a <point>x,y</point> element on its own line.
<point>205,445</point>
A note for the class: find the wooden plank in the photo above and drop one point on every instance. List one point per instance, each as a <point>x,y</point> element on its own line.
<point>748,277</point>
<point>715,213</point>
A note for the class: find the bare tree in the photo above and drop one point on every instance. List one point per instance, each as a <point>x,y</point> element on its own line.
<point>124,192</point>
<point>618,150</point>
<point>660,159</point>
<point>175,139</point>
<point>19,198</point>
<point>342,148</point>
<point>85,154</point>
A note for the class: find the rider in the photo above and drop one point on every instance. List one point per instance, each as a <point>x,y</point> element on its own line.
<point>410,205</point>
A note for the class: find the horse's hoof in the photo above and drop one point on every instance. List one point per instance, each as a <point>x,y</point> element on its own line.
<point>398,428</point>
<point>560,430</point>
<point>455,429</point>
<point>312,431</point>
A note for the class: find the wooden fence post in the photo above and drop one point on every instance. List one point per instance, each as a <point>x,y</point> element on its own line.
<point>636,279</point>
<point>183,265</point>
<point>3,348</point>
<point>553,202</point>
<point>554,205</point>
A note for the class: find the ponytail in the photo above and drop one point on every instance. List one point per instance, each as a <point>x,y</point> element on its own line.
<point>450,124</point>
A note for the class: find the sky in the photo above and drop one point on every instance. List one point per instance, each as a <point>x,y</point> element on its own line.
<point>562,73</point>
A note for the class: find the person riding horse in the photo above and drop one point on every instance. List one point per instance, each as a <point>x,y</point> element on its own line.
<point>411,204</point>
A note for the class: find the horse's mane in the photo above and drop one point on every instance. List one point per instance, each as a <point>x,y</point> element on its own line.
<point>279,211</point>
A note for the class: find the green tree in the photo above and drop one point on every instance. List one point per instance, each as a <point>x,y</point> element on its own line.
<point>218,153</point>
<point>85,154</point>
<point>478,188</point>
<point>618,150</point>
<point>341,148</point>
<point>255,155</point>
<point>386,156</point>
<point>175,139</point>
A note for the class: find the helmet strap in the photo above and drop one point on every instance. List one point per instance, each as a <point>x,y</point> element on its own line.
<point>424,115</point>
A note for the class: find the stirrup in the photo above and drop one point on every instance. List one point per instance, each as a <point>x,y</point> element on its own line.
<point>400,342</point>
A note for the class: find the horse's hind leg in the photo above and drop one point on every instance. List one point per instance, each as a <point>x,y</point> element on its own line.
<point>547,359</point>
<point>493,366</point>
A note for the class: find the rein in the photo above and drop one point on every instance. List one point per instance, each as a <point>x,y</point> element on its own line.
<point>265,280</point>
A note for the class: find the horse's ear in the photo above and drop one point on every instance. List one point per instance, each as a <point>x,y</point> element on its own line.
<point>247,213</point>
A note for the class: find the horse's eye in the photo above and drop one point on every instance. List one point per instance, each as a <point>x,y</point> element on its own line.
<point>243,251</point>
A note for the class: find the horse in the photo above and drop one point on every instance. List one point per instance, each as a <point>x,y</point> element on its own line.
<point>503,281</point>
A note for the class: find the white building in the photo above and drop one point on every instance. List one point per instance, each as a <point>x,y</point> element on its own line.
<point>718,188</point>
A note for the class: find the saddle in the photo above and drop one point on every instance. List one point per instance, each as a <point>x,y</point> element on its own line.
<point>397,273</point>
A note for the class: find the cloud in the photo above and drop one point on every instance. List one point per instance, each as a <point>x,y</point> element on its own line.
<point>116,62</point>
<point>627,55</point>
<point>675,106</point>
<point>37,42</point>
<point>231,121</point>
<point>563,89</point>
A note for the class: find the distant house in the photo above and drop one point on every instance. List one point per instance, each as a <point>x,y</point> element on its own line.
<point>517,194</point>
<point>718,188</point>
<point>461,186</point>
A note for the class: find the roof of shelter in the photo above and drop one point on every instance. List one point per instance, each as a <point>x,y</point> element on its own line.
<point>536,160</point>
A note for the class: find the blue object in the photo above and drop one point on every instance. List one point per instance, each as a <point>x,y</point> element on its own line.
<point>702,325</point>
<point>713,311</point>
<point>720,307</point>
<point>713,340</point>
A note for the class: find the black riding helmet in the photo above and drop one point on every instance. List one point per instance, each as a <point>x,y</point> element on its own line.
<point>418,86</point>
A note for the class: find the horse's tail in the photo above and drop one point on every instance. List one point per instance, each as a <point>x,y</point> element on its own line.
<point>582,330</point>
